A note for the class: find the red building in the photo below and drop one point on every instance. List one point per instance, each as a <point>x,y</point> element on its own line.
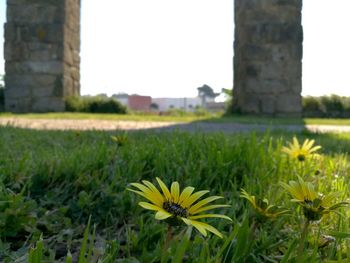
<point>139,103</point>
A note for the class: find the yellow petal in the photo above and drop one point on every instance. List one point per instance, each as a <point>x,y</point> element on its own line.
<point>158,200</point>
<point>210,216</point>
<point>209,207</point>
<point>150,206</point>
<point>296,143</point>
<point>164,188</point>
<point>307,144</point>
<point>198,205</point>
<point>154,190</point>
<point>161,215</point>
<point>314,149</point>
<point>142,187</point>
<point>210,228</point>
<point>175,191</point>
<point>185,194</point>
<point>193,198</point>
<point>147,196</point>
<point>137,192</point>
<point>197,225</point>
<point>286,150</point>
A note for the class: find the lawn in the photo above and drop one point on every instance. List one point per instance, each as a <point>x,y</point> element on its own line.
<point>179,116</point>
<point>52,182</point>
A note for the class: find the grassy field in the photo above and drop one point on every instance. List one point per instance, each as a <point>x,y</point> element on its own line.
<point>53,181</point>
<point>178,117</point>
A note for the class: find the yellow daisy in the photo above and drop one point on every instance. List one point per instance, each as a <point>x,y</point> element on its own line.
<point>120,139</point>
<point>301,152</point>
<point>314,205</point>
<point>262,206</point>
<point>174,205</point>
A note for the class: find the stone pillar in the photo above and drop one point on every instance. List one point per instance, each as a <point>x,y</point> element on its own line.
<point>267,57</point>
<point>42,45</point>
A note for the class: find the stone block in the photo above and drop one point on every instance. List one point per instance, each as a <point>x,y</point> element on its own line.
<point>45,67</point>
<point>251,103</point>
<point>47,104</point>
<point>18,105</point>
<point>267,104</point>
<point>17,92</point>
<point>35,12</point>
<point>46,33</point>
<point>255,52</point>
<point>15,51</point>
<point>288,103</point>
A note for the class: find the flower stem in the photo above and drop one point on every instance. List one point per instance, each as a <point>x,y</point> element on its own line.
<point>169,237</point>
<point>302,240</point>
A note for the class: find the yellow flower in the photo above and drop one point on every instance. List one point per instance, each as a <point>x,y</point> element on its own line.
<point>262,206</point>
<point>175,206</point>
<point>120,139</point>
<point>301,152</point>
<point>314,205</point>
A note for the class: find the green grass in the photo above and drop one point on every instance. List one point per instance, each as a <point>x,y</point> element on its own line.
<point>53,181</point>
<point>189,117</point>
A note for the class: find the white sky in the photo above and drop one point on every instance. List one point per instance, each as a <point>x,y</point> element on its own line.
<point>171,47</point>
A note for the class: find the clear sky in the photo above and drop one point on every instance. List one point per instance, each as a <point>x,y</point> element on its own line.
<point>171,47</point>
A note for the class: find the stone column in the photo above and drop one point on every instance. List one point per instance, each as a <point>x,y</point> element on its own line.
<point>267,57</point>
<point>42,45</point>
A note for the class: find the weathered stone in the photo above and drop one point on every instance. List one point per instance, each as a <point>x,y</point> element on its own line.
<point>23,104</point>
<point>267,60</point>
<point>42,46</point>
<point>288,103</point>
<point>47,104</point>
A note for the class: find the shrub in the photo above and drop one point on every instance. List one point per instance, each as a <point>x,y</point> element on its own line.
<point>2,93</point>
<point>332,106</point>
<point>94,104</point>
<point>312,107</point>
<point>2,98</point>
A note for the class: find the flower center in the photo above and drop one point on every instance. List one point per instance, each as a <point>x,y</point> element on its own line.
<point>301,157</point>
<point>175,209</point>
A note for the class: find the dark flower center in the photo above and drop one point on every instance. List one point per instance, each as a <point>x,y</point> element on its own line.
<point>175,209</point>
<point>301,157</point>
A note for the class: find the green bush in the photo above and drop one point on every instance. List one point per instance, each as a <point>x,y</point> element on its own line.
<point>2,98</point>
<point>332,106</point>
<point>94,104</point>
<point>312,107</point>
<point>2,93</point>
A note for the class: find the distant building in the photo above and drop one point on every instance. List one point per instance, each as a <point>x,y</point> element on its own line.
<point>147,103</point>
<point>123,98</point>
<point>139,103</point>
<point>186,104</point>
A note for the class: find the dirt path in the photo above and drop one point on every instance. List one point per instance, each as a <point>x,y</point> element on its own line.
<point>67,124</point>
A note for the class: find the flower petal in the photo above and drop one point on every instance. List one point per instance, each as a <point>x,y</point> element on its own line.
<point>156,199</point>
<point>175,191</point>
<point>210,215</point>
<point>198,205</point>
<point>161,215</point>
<point>296,143</point>
<point>209,207</point>
<point>185,194</point>
<point>201,225</point>
<point>193,198</point>
<point>150,206</point>
<point>164,188</point>
<point>196,224</point>
<point>147,196</point>
<point>154,189</point>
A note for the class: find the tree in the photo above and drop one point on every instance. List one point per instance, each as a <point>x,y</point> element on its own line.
<point>207,91</point>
